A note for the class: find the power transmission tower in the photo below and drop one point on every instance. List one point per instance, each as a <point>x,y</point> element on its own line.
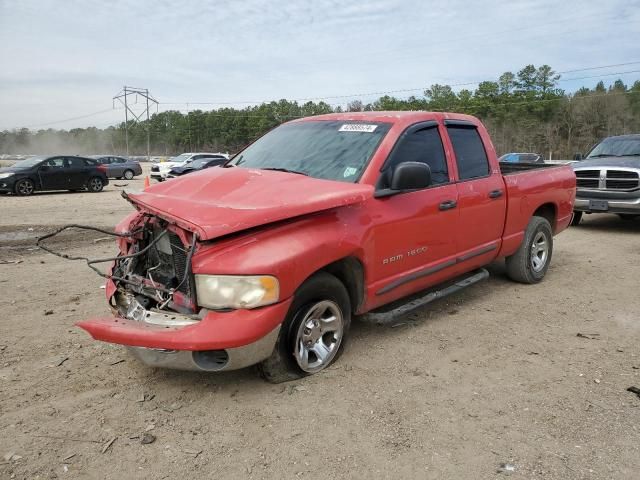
<point>122,97</point>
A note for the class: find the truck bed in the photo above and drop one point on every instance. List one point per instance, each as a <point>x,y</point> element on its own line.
<point>508,168</point>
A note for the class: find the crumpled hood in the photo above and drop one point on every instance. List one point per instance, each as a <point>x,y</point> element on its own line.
<point>220,201</point>
<point>609,162</point>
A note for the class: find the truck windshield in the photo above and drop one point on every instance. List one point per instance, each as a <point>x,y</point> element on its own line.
<point>331,150</point>
<point>617,147</point>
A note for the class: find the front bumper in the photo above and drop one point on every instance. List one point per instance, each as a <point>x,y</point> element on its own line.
<point>7,184</point>
<point>209,360</point>
<point>615,205</point>
<point>219,341</point>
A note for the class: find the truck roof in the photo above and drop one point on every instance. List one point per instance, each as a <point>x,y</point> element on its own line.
<point>395,117</point>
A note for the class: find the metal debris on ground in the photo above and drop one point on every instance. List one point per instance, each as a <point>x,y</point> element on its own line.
<point>507,468</point>
<point>635,390</point>
<point>59,364</point>
<point>108,445</point>
<point>589,336</point>
<point>10,262</point>
<point>48,312</point>
<point>193,453</point>
<point>147,438</point>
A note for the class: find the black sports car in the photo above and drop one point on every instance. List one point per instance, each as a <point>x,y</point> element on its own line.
<point>58,172</point>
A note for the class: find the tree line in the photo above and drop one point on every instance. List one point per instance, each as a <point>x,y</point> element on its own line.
<point>525,111</point>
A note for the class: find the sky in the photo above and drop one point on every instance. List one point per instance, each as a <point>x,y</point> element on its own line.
<point>62,62</point>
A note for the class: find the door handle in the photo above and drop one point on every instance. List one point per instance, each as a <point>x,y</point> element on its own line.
<point>495,194</point>
<point>448,205</point>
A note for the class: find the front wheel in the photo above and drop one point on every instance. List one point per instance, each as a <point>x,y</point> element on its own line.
<point>530,263</point>
<point>95,184</point>
<point>25,187</point>
<point>314,332</point>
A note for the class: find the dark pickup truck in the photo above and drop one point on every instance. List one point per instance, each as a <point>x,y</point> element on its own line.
<point>266,260</point>
<point>608,179</point>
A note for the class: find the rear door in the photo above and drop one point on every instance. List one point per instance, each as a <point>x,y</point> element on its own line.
<point>77,172</point>
<point>481,196</point>
<point>415,246</point>
<point>117,166</point>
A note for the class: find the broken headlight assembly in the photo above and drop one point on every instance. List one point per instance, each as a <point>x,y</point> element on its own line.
<point>236,292</point>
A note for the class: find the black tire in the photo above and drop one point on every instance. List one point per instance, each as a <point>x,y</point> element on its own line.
<point>128,175</point>
<point>522,266</point>
<point>575,221</point>
<point>24,187</point>
<point>321,289</point>
<point>628,216</point>
<point>95,184</point>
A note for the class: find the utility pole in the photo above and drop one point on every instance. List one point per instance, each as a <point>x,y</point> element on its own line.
<point>122,97</point>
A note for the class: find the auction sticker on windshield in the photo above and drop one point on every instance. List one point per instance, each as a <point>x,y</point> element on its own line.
<point>357,127</point>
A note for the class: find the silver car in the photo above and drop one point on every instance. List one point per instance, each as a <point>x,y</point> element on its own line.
<point>119,167</point>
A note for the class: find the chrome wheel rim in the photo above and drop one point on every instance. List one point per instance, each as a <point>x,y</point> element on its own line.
<point>25,188</point>
<point>319,336</point>
<point>95,184</point>
<point>128,174</point>
<point>539,252</point>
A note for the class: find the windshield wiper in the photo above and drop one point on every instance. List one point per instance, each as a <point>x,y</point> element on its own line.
<point>286,170</point>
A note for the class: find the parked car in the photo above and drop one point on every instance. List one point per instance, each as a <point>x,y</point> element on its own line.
<point>160,171</point>
<point>58,172</point>
<point>196,165</point>
<point>521,158</point>
<point>119,167</point>
<point>608,179</point>
<point>266,260</point>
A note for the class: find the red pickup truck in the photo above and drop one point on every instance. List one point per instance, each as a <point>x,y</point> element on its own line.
<point>267,259</point>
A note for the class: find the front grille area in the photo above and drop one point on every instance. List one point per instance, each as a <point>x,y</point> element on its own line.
<point>587,178</point>
<point>166,262</point>
<point>622,180</point>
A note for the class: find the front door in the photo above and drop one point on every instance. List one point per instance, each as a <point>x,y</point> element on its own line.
<point>415,247</point>
<point>52,174</point>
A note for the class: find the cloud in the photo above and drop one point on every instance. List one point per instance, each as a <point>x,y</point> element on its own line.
<point>65,59</point>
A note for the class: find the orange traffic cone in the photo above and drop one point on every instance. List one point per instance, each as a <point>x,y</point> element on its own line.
<point>146,182</point>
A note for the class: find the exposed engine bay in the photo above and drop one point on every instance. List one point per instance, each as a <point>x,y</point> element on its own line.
<point>153,269</point>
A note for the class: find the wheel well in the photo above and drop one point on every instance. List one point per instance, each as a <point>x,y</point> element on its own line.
<point>350,272</point>
<point>548,211</point>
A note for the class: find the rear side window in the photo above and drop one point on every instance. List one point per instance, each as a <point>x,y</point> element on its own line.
<point>118,160</point>
<point>470,154</point>
<point>424,146</point>
<point>74,162</point>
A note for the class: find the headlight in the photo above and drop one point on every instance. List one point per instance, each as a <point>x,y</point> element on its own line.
<point>6,175</point>
<point>231,291</point>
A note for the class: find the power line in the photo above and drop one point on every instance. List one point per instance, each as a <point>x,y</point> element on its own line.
<point>408,90</point>
<point>70,119</point>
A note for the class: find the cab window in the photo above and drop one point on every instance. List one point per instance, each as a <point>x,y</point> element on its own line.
<point>423,145</point>
<point>471,157</point>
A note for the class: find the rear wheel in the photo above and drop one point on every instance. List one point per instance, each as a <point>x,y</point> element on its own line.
<point>314,332</point>
<point>128,174</point>
<point>531,262</point>
<point>575,221</point>
<point>95,184</point>
<point>24,187</point>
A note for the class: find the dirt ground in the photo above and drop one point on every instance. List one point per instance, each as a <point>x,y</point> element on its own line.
<point>494,375</point>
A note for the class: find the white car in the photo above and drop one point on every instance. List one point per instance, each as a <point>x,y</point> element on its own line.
<point>160,171</point>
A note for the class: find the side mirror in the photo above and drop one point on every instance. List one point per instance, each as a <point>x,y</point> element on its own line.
<point>411,176</point>
<point>577,157</point>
